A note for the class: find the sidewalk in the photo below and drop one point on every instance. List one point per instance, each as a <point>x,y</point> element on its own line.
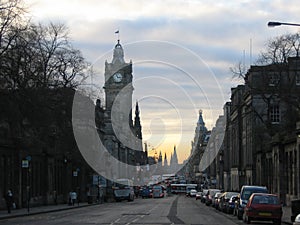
<point>286,216</point>
<point>40,209</point>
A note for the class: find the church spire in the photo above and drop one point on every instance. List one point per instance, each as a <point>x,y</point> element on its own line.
<point>165,160</point>
<point>200,123</point>
<point>175,159</point>
<point>137,121</point>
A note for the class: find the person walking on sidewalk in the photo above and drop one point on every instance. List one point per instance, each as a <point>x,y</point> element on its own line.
<point>73,197</point>
<point>9,200</point>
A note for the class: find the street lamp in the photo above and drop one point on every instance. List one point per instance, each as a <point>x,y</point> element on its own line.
<point>275,24</point>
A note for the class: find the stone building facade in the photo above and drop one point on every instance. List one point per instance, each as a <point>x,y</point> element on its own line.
<point>261,145</point>
<point>39,156</point>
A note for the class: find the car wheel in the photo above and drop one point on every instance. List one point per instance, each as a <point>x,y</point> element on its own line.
<point>277,222</point>
<point>239,215</point>
<point>248,220</point>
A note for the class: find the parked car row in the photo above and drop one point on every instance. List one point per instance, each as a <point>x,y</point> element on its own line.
<point>251,203</point>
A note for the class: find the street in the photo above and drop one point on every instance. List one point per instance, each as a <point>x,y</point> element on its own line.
<point>176,209</point>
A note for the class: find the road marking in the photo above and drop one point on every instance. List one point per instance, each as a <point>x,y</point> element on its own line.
<point>133,221</point>
<point>117,220</point>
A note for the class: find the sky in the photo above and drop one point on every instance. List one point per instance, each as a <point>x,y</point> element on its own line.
<point>181,51</point>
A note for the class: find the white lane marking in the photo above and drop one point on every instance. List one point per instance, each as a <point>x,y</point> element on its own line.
<point>117,220</point>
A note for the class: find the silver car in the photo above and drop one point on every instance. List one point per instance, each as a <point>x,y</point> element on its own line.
<point>297,220</point>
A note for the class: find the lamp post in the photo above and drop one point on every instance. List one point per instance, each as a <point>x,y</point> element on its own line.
<point>276,24</point>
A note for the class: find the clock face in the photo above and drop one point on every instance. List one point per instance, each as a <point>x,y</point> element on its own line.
<point>118,77</point>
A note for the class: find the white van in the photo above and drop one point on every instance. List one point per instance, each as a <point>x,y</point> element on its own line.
<point>123,190</point>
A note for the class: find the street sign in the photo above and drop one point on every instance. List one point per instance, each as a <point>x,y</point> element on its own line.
<point>25,163</point>
<point>75,173</point>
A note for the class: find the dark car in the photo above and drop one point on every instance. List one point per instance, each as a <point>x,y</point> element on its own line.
<point>210,195</point>
<point>265,207</point>
<point>246,192</point>
<point>224,204</point>
<point>230,205</point>
<point>216,199</point>
<point>236,205</point>
<point>158,191</point>
<point>146,192</point>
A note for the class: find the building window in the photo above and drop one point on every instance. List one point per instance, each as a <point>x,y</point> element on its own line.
<point>273,79</point>
<point>274,114</point>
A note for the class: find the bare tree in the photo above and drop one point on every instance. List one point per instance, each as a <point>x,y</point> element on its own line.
<point>279,49</point>
<point>11,12</point>
<point>238,71</point>
<point>42,56</point>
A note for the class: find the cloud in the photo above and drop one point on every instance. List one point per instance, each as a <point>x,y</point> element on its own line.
<point>181,49</point>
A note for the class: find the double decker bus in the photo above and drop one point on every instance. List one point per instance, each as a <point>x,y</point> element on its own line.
<point>170,178</point>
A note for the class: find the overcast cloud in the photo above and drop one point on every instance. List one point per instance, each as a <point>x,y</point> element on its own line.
<point>181,51</point>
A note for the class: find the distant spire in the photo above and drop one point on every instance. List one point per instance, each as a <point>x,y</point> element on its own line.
<point>137,122</point>
<point>175,159</point>
<point>166,160</point>
<point>160,157</point>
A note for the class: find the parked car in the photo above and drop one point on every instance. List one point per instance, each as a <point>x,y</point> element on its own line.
<point>204,195</point>
<point>198,195</point>
<point>297,220</point>
<point>224,204</point>
<point>192,193</point>
<point>246,192</point>
<point>209,196</point>
<point>215,200</point>
<point>265,207</point>
<point>236,205</point>
<point>231,204</point>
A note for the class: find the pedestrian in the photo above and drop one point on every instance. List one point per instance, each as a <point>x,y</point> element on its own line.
<point>9,200</point>
<point>70,198</point>
<point>73,197</point>
<point>101,195</point>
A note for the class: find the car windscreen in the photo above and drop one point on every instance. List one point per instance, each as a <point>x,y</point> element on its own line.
<point>248,192</point>
<point>270,200</point>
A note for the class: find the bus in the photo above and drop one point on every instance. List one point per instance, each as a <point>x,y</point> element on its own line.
<point>182,188</point>
<point>123,190</point>
<point>169,178</point>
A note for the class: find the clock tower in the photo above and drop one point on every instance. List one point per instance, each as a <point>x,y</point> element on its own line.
<point>123,137</point>
<point>118,76</point>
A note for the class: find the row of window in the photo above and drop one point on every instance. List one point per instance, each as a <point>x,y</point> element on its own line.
<point>274,78</point>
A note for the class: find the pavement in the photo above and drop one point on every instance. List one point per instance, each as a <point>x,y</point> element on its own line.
<point>286,217</point>
<point>40,209</point>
